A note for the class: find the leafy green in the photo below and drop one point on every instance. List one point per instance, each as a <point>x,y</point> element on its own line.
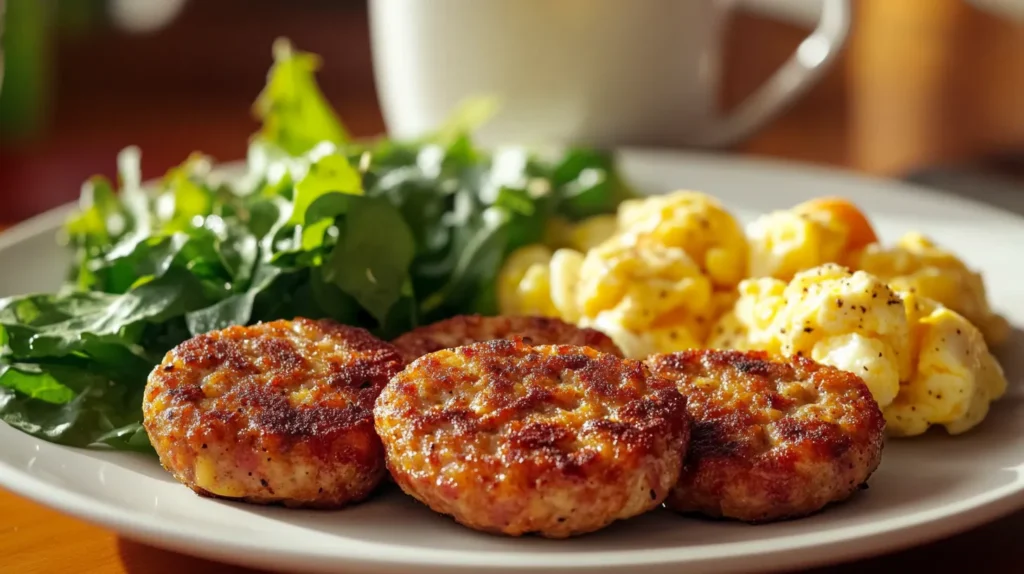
<point>370,262</point>
<point>381,234</point>
<point>295,115</point>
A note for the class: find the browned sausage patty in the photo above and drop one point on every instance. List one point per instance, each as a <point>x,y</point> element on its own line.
<point>467,329</point>
<point>514,439</point>
<point>279,412</point>
<point>772,438</point>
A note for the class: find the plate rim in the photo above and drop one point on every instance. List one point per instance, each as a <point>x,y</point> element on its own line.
<point>835,544</point>
<point>839,545</point>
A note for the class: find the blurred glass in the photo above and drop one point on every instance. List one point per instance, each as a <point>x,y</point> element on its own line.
<point>3,6</point>
<point>27,42</point>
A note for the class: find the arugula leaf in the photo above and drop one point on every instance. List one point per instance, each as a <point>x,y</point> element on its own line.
<point>371,259</point>
<point>234,310</point>
<point>100,217</point>
<point>331,173</point>
<point>588,183</point>
<point>295,115</point>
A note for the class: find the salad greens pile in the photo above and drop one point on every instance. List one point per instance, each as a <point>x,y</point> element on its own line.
<point>381,234</point>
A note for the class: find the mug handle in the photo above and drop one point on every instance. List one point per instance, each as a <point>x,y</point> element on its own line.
<point>810,61</point>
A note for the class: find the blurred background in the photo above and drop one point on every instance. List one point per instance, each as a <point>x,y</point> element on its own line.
<point>927,89</point>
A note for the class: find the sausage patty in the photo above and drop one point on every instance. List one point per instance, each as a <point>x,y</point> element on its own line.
<point>514,439</point>
<point>278,412</point>
<point>466,329</point>
<point>772,438</point>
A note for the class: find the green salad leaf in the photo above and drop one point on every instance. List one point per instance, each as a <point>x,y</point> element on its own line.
<point>382,234</point>
<point>295,115</point>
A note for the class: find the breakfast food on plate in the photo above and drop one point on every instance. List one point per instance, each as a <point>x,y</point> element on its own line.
<point>656,285</point>
<point>645,296</point>
<point>833,230</point>
<point>924,364</point>
<point>514,439</point>
<point>916,264</point>
<point>955,377</point>
<point>278,412</point>
<point>695,222</point>
<point>771,438</point>
<point>467,329</point>
<point>824,230</point>
<point>851,321</point>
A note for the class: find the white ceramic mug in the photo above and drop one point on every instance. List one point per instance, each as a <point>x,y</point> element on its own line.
<point>600,72</point>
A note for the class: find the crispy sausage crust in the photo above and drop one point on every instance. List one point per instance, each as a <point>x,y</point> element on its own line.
<point>772,439</point>
<point>278,412</point>
<point>513,439</point>
<point>466,329</point>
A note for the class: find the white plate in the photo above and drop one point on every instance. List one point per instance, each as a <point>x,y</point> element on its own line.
<point>925,488</point>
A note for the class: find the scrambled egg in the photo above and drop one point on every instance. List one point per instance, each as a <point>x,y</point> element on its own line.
<point>695,223</point>
<point>826,230</point>
<point>851,321</point>
<point>956,378</point>
<point>647,298</point>
<point>524,283</point>
<point>924,364</point>
<point>916,264</point>
<point>654,279</point>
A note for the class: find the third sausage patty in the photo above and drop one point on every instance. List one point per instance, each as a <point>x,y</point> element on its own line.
<point>771,438</point>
